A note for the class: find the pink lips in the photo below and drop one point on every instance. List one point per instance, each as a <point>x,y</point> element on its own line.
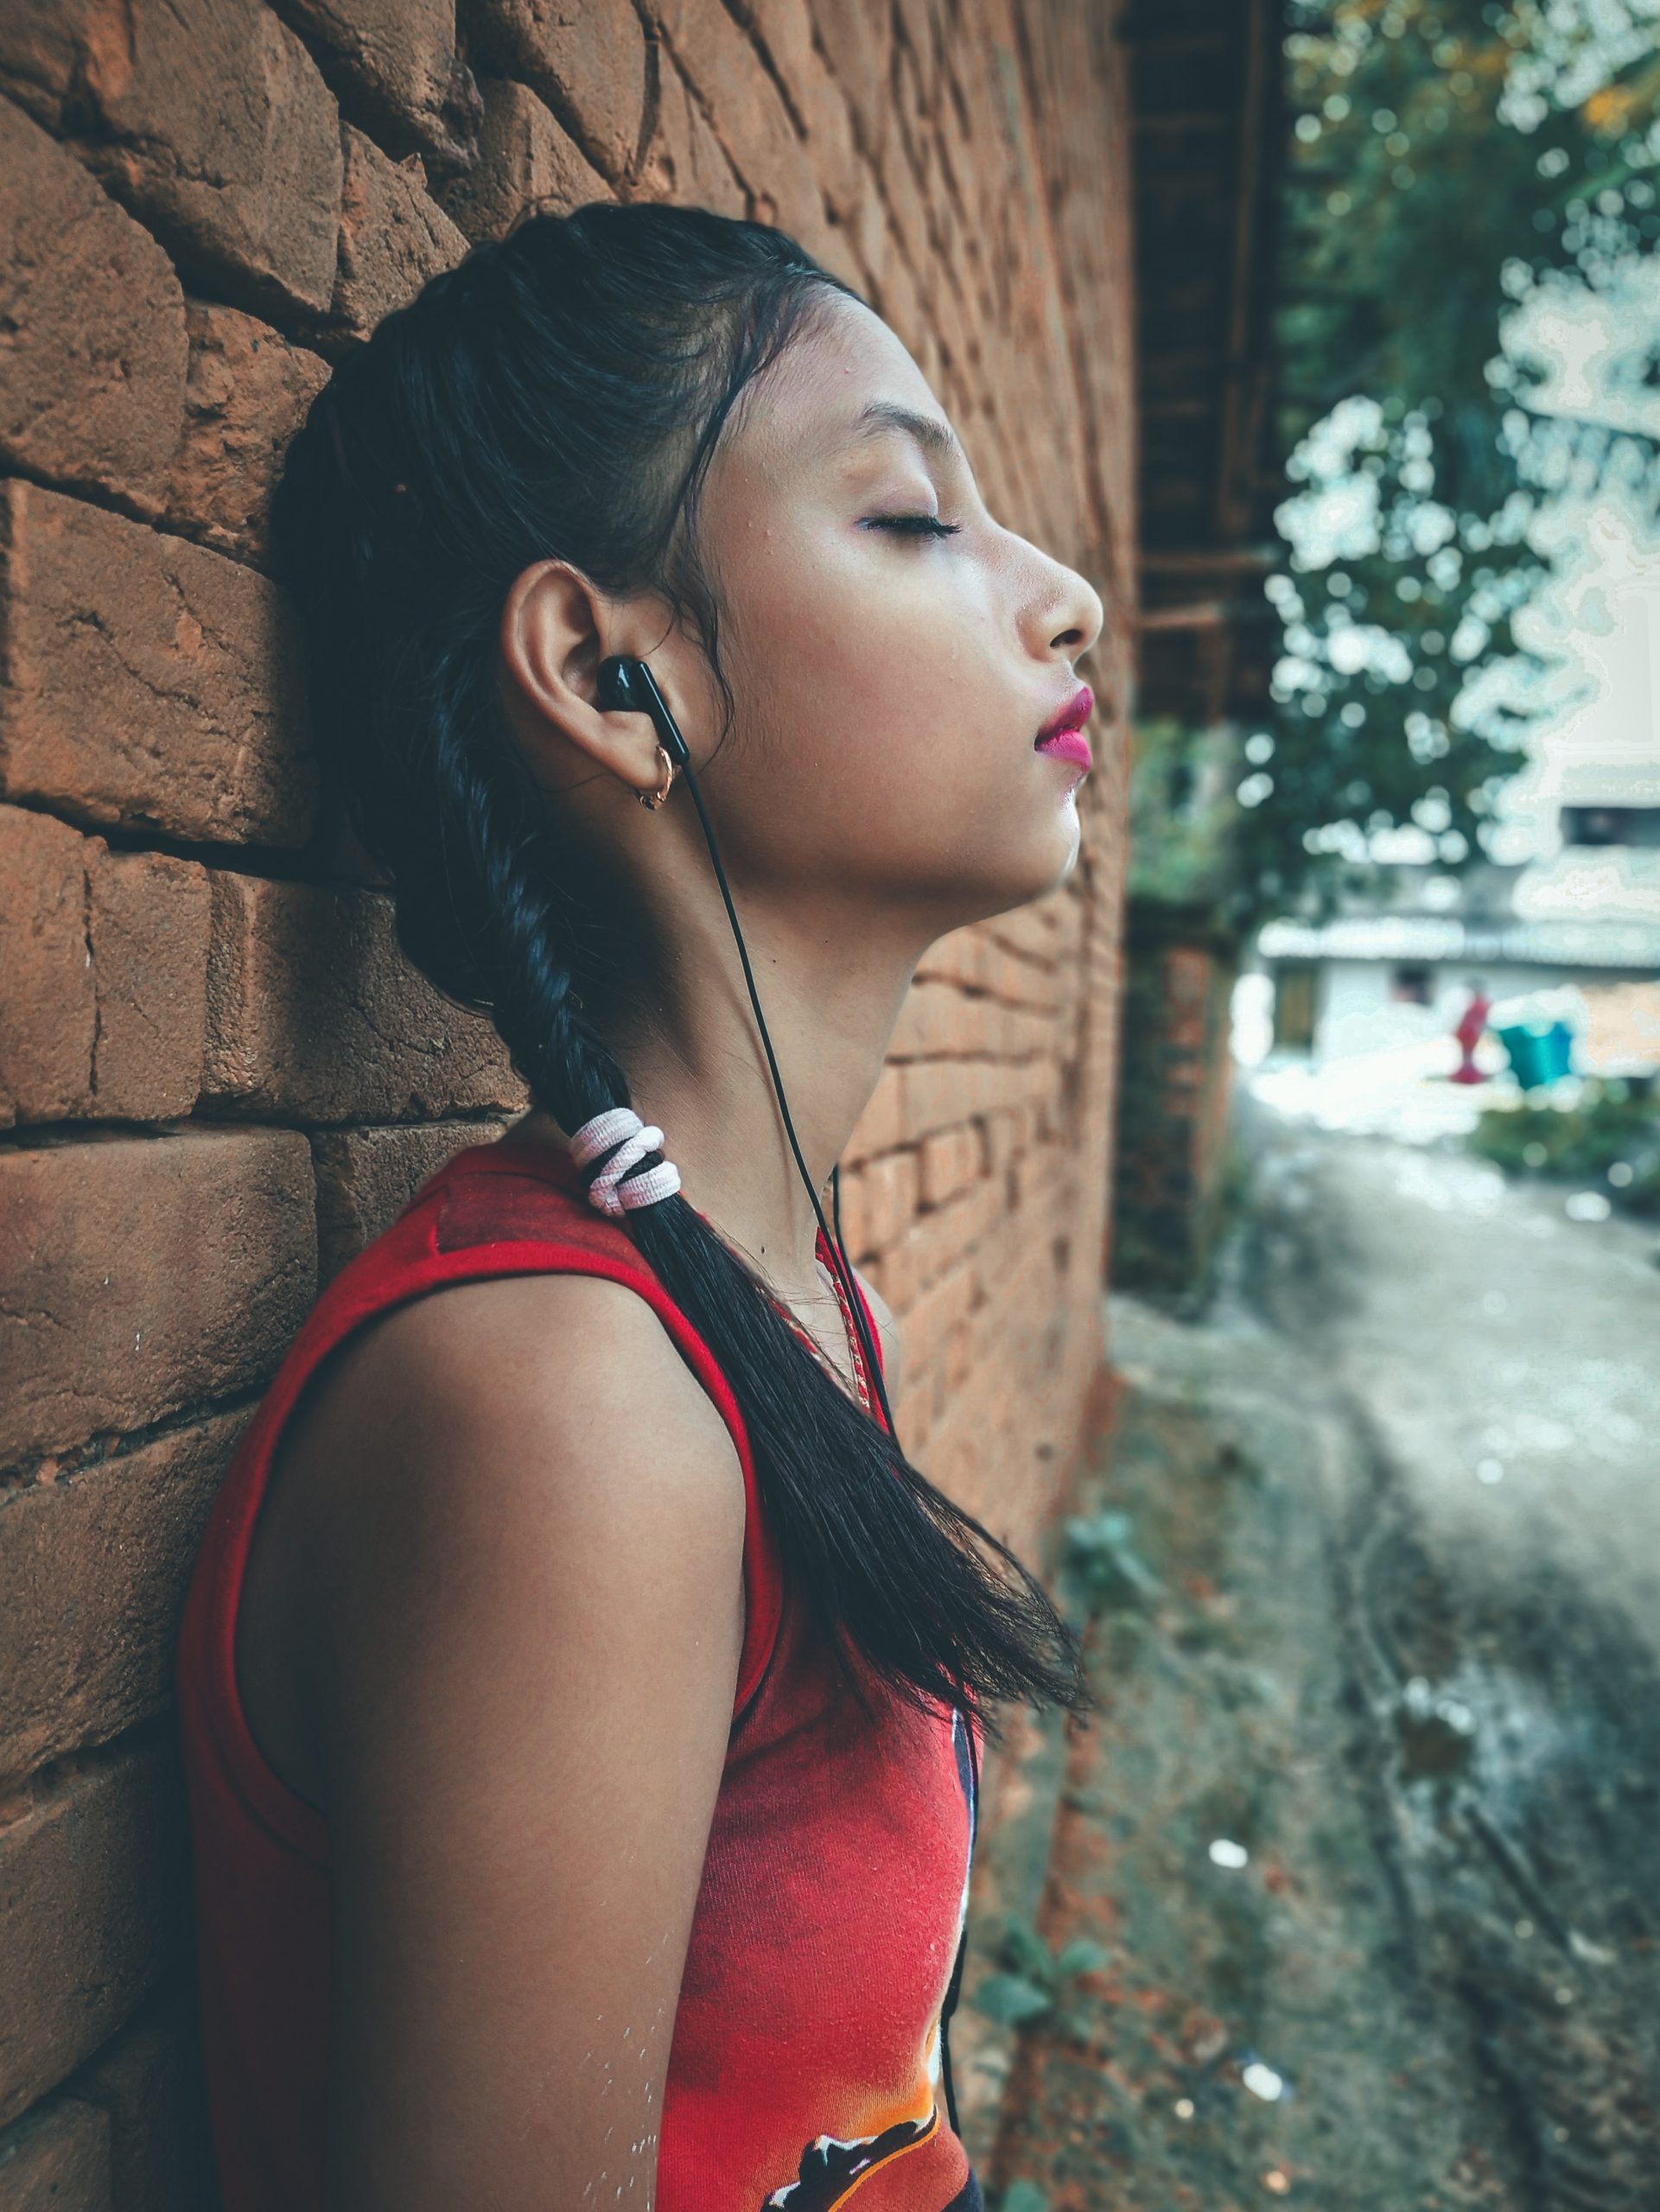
<point>1064,739</point>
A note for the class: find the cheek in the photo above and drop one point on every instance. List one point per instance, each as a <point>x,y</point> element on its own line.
<point>877,668</point>
<point>884,726</point>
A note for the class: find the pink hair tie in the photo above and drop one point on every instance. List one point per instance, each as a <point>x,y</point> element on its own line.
<point>608,1190</point>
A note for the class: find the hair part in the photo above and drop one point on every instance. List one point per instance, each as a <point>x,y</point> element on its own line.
<point>560,392</point>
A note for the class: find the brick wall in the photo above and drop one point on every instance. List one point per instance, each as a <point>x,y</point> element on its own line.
<point>216,1077</point>
<point>1176,1082</point>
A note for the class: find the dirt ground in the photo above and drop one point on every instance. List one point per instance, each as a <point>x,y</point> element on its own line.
<point>1366,1824</point>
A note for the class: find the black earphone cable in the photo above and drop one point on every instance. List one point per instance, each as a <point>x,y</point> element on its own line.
<point>855,1303</point>
<point>855,1307</point>
<point>616,687</point>
<point>620,684</point>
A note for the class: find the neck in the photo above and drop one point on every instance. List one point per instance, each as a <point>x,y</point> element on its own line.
<point>697,1068</point>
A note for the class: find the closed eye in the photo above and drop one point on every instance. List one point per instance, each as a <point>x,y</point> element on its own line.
<point>920,525</point>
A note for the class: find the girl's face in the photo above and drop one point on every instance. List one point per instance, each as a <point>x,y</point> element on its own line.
<point>891,676</point>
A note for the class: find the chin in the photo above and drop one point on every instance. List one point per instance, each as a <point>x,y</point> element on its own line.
<point>1046,873</point>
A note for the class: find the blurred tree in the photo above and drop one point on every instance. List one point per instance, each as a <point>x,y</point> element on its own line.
<point>1454,165</point>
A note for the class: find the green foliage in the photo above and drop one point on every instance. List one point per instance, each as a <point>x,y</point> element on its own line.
<point>1607,1132</point>
<point>1184,816</point>
<point>1022,2196</point>
<point>1037,1984</point>
<point>1449,158</point>
<point>1099,1558</point>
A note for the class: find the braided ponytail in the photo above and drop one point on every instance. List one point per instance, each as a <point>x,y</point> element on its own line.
<point>560,392</point>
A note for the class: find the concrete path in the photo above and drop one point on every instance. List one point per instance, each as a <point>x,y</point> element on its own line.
<point>1368,1825</point>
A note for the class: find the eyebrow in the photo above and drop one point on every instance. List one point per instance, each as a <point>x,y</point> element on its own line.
<point>882,417</point>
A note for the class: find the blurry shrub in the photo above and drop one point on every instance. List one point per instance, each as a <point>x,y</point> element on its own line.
<point>1038,1984</point>
<point>1100,1562</point>
<point>1607,1131</point>
<point>1183,814</point>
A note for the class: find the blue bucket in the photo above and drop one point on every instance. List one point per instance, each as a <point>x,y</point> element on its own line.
<point>1540,1052</point>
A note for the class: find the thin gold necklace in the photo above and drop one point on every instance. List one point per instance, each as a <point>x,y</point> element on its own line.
<point>860,1378</point>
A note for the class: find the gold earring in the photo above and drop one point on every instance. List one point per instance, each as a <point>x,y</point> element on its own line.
<point>652,799</point>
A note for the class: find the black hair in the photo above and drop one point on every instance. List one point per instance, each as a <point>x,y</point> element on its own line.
<point>559,393</point>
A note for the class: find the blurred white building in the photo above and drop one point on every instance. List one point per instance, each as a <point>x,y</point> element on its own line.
<point>1565,917</point>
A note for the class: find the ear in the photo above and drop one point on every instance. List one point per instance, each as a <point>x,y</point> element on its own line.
<point>555,629</point>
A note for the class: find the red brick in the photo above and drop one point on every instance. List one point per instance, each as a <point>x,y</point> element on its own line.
<point>1025,1032</point>
<point>94,1903</point>
<point>149,2081</point>
<point>47,999</point>
<point>1030,983</point>
<point>855,1214</point>
<point>207,119</point>
<point>961,956</point>
<point>314,1013</point>
<point>525,159</point>
<point>1000,1132</point>
<point>366,1176</point>
<point>749,118</point>
<point>903,195</point>
<point>145,681</point>
<point>93,1571</point>
<point>149,921</point>
<point>588,63</point>
<point>140,1276</point>
<point>859,35</point>
<point>889,1194</point>
<point>934,1095</point>
<point>933,1314</point>
<point>950,1160</point>
<point>878,1127</point>
<point>685,161</point>
<point>938,1094</point>
<point>397,62</point>
<point>950,1232</point>
<point>248,391</point>
<point>103,977</point>
<point>872,236</point>
<point>787,28</point>
<point>57,2159</point>
<point>938,1019</point>
<point>92,371</point>
<point>1029,931</point>
<point>393,236</point>
<point>902,306</point>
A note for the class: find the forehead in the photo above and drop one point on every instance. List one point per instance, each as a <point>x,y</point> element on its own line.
<point>845,389</point>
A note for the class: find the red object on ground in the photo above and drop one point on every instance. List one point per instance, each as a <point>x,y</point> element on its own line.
<point>1471,1027</point>
<point>805,2060</point>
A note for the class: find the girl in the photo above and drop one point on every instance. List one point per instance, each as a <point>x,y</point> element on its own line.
<point>582,1696</point>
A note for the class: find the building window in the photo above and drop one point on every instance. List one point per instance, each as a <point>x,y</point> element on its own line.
<point>1294,1006</point>
<point>1610,825</point>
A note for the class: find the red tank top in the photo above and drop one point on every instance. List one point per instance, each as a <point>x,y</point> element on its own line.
<point>805,2064</point>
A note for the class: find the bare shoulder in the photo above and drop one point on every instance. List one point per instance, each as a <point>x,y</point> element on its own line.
<point>505,1448</point>
<point>887,1329</point>
<point>501,1442</point>
<point>553,1380</point>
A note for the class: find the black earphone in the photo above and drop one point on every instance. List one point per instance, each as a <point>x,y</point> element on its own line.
<point>627,686</point>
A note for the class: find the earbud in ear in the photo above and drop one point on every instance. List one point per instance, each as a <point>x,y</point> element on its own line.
<point>618,684</point>
<point>625,685</point>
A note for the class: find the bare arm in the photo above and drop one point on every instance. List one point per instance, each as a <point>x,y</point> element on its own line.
<point>532,1613</point>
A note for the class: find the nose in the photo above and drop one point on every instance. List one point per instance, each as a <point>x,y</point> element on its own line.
<point>1066,610</point>
<point>1087,615</point>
